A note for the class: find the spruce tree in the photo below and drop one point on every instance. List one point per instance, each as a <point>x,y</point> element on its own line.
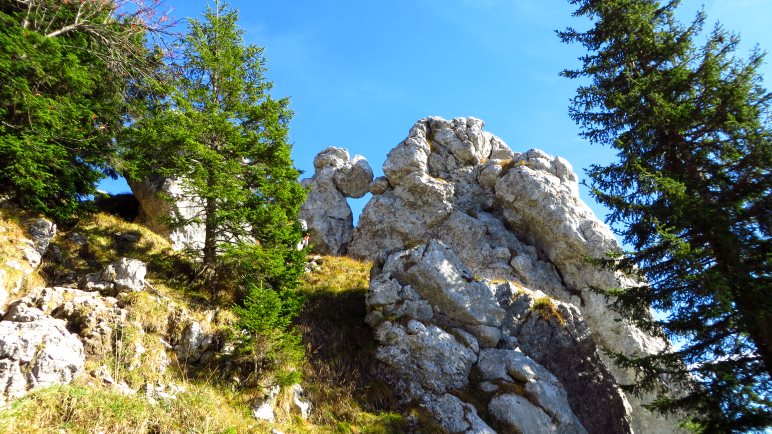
<point>690,193</point>
<point>215,127</point>
<point>219,130</point>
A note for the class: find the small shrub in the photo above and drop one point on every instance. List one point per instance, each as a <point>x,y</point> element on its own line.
<point>270,343</point>
<point>265,281</point>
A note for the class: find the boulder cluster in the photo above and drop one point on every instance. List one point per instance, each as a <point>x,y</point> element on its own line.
<point>481,292</point>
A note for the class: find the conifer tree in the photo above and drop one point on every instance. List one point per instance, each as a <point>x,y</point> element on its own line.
<point>690,193</point>
<point>66,70</point>
<point>214,126</point>
<point>220,131</point>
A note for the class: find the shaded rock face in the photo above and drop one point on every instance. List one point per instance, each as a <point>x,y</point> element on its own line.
<point>477,210</point>
<point>325,211</point>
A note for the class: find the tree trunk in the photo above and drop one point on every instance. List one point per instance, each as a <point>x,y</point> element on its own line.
<point>210,229</point>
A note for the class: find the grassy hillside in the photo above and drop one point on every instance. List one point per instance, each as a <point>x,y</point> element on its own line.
<point>337,377</point>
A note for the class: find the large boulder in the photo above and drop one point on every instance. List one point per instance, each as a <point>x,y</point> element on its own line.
<point>505,217</point>
<point>325,211</point>
<point>36,350</point>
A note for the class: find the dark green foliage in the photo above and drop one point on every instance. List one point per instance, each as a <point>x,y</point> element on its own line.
<point>66,72</point>
<point>59,105</point>
<point>220,131</point>
<point>270,343</point>
<point>266,279</point>
<point>691,194</point>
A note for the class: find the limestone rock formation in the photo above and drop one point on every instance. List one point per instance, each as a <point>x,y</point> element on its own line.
<point>161,199</point>
<point>36,350</point>
<point>20,264</point>
<point>481,213</point>
<point>441,331</point>
<point>329,219</point>
<point>123,275</point>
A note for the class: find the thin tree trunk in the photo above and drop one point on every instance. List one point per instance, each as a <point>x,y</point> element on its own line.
<point>210,230</point>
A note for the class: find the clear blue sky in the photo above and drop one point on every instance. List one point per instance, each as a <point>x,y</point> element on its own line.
<point>360,73</point>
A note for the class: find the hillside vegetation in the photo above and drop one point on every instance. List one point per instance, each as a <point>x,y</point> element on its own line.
<point>337,376</point>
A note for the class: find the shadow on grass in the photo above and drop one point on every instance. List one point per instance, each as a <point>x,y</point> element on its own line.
<point>340,351</point>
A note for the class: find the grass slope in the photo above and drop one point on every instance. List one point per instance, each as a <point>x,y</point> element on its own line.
<point>347,398</point>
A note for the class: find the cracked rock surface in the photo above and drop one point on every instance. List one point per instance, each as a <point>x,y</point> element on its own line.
<point>36,350</point>
<point>482,250</point>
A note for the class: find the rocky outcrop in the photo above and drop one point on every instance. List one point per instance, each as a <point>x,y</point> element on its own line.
<point>443,335</point>
<point>30,249</point>
<point>162,200</point>
<point>328,215</point>
<point>123,275</point>
<point>479,213</point>
<point>35,351</point>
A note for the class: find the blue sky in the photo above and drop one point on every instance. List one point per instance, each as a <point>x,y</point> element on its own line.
<point>360,73</point>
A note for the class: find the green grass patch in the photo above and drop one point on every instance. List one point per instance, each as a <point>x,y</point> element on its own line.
<point>84,409</point>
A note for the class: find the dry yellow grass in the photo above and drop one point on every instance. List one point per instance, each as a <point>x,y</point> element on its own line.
<point>12,237</point>
<point>107,238</point>
<point>546,307</point>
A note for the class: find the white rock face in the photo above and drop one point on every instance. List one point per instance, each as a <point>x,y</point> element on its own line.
<point>519,414</point>
<point>457,416</point>
<point>300,402</point>
<point>36,351</point>
<point>195,341</point>
<point>504,216</point>
<point>443,281</point>
<point>90,315</point>
<point>435,359</point>
<point>124,275</point>
<point>41,231</point>
<point>161,199</point>
<point>325,210</point>
<point>428,348</point>
<point>264,408</point>
<point>31,250</point>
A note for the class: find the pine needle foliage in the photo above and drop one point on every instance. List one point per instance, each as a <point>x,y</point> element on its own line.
<point>215,126</point>
<point>690,193</point>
